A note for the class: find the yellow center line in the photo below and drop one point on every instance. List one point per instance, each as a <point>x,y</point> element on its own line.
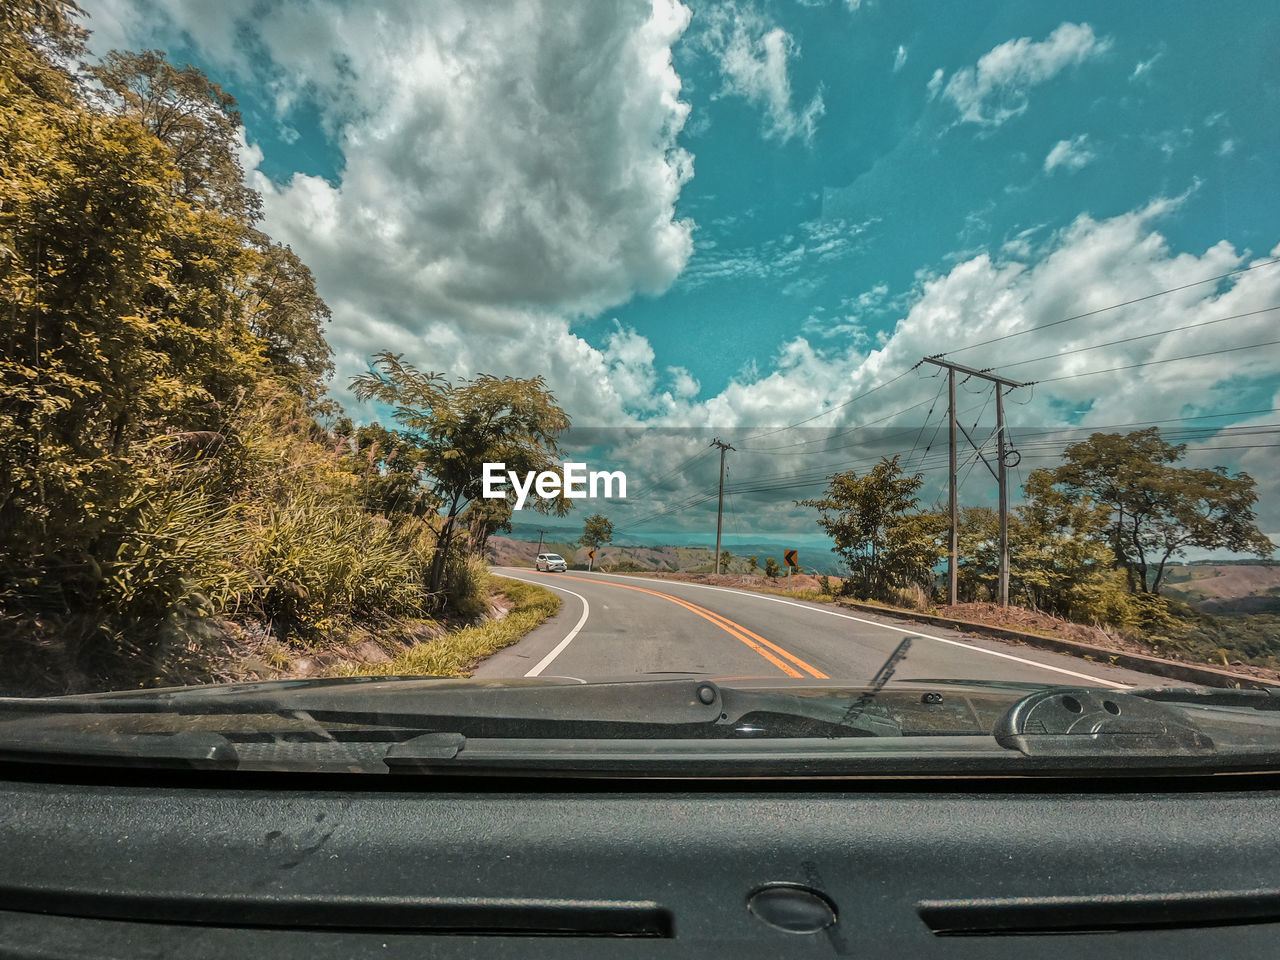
<point>753,640</point>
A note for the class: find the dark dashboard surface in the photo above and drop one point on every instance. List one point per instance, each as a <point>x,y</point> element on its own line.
<point>203,866</point>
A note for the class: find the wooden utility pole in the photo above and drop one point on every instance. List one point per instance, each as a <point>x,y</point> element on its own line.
<point>541,532</point>
<point>720,505</point>
<point>1001,473</point>
<point>953,572</point>
<point>1003,483</point>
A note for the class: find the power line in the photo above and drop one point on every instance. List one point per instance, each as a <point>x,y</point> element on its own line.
<point>1114,306</point>
<point>1150,363</point>
<point>651,488</point>
<point>941,386</point>
<point>832,436</point>
<point>1144,336</point>
<point>1049,440</point>
<point>1151,423</point>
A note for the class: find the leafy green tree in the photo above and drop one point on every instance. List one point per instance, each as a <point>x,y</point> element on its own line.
<point>123,286</point>
<point>1158,510</point>
<point>753,564</point>
<point>287,315</point>
<point>483,518</point>
<point>597,530</point>
<point>878,532</point>
<point>725,559</point>
<point>771,567</point>
<point>461,426</point>
<point>192,116</point>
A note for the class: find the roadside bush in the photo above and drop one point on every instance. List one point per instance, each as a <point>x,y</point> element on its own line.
<point>625,566</point>
<point>467,586</point>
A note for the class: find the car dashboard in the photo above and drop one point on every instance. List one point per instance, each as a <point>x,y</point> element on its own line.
<point>215,864</point>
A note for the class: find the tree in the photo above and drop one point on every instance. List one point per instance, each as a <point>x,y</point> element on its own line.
<point>287,315</point>
<point>1157,510</point>
<point>461,426</point>
<point>192,116</point>
<point>483,519</point>
<point>878,533</point>
<point>771,568</point>
<point>113,336</point>
<point>753,564</point>
<point>597,530</point>
<point>725,559</point>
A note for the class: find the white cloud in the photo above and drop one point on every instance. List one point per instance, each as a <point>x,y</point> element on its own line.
<point>683,383</point>
<point>996,89</point>
<point>780,259</point>
<point>1070,154</point>
<point>754,58</point>
<point>1227,147</point>
<point>1143,67</point>
<point>934,86</point>
<point>509,167</point>
<point>899,58</point>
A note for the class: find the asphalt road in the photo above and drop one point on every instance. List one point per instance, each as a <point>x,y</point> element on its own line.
<point>613,626</point>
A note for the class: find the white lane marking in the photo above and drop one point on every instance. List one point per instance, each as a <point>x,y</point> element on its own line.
<point>885,626</point>
<point>559,647</point>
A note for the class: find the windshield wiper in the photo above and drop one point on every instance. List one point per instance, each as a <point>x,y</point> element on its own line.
<point>202,751</point>
<point>1268,699</point>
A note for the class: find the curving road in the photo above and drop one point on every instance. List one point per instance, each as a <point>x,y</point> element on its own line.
<point>613,626</point>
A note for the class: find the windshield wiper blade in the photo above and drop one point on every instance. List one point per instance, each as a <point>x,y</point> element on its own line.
<point>1268,699</point>
<point>202,751</point>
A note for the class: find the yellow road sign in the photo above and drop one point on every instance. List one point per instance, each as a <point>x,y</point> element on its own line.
<point>790,559</point>
<point>591,554</point>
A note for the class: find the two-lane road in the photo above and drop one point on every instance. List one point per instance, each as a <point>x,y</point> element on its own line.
<point>614,626</point>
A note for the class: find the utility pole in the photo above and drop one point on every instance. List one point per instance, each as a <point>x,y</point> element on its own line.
<point>541,533</point>
<point>720,504</point>
<point>1003,483</point>
<point>953,572</point>
<point>1001,474</point>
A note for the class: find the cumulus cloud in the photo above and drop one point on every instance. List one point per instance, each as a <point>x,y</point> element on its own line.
<point>754,57</point>
<point>996,89</point>
<point>1070,154</point>
<point>509,167</point>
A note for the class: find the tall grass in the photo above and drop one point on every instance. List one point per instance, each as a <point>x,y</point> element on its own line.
<point>456,654</point>
<point>269,525</point>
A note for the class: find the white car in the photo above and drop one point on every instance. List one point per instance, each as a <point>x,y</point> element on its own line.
<point>551,563</point>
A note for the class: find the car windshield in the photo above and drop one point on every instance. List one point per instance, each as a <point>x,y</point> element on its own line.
<point>899,386</point>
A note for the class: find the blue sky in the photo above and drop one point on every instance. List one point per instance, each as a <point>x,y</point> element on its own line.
<point>722,218</point>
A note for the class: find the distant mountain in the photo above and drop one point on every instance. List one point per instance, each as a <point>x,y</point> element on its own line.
<point>1226,588</point>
